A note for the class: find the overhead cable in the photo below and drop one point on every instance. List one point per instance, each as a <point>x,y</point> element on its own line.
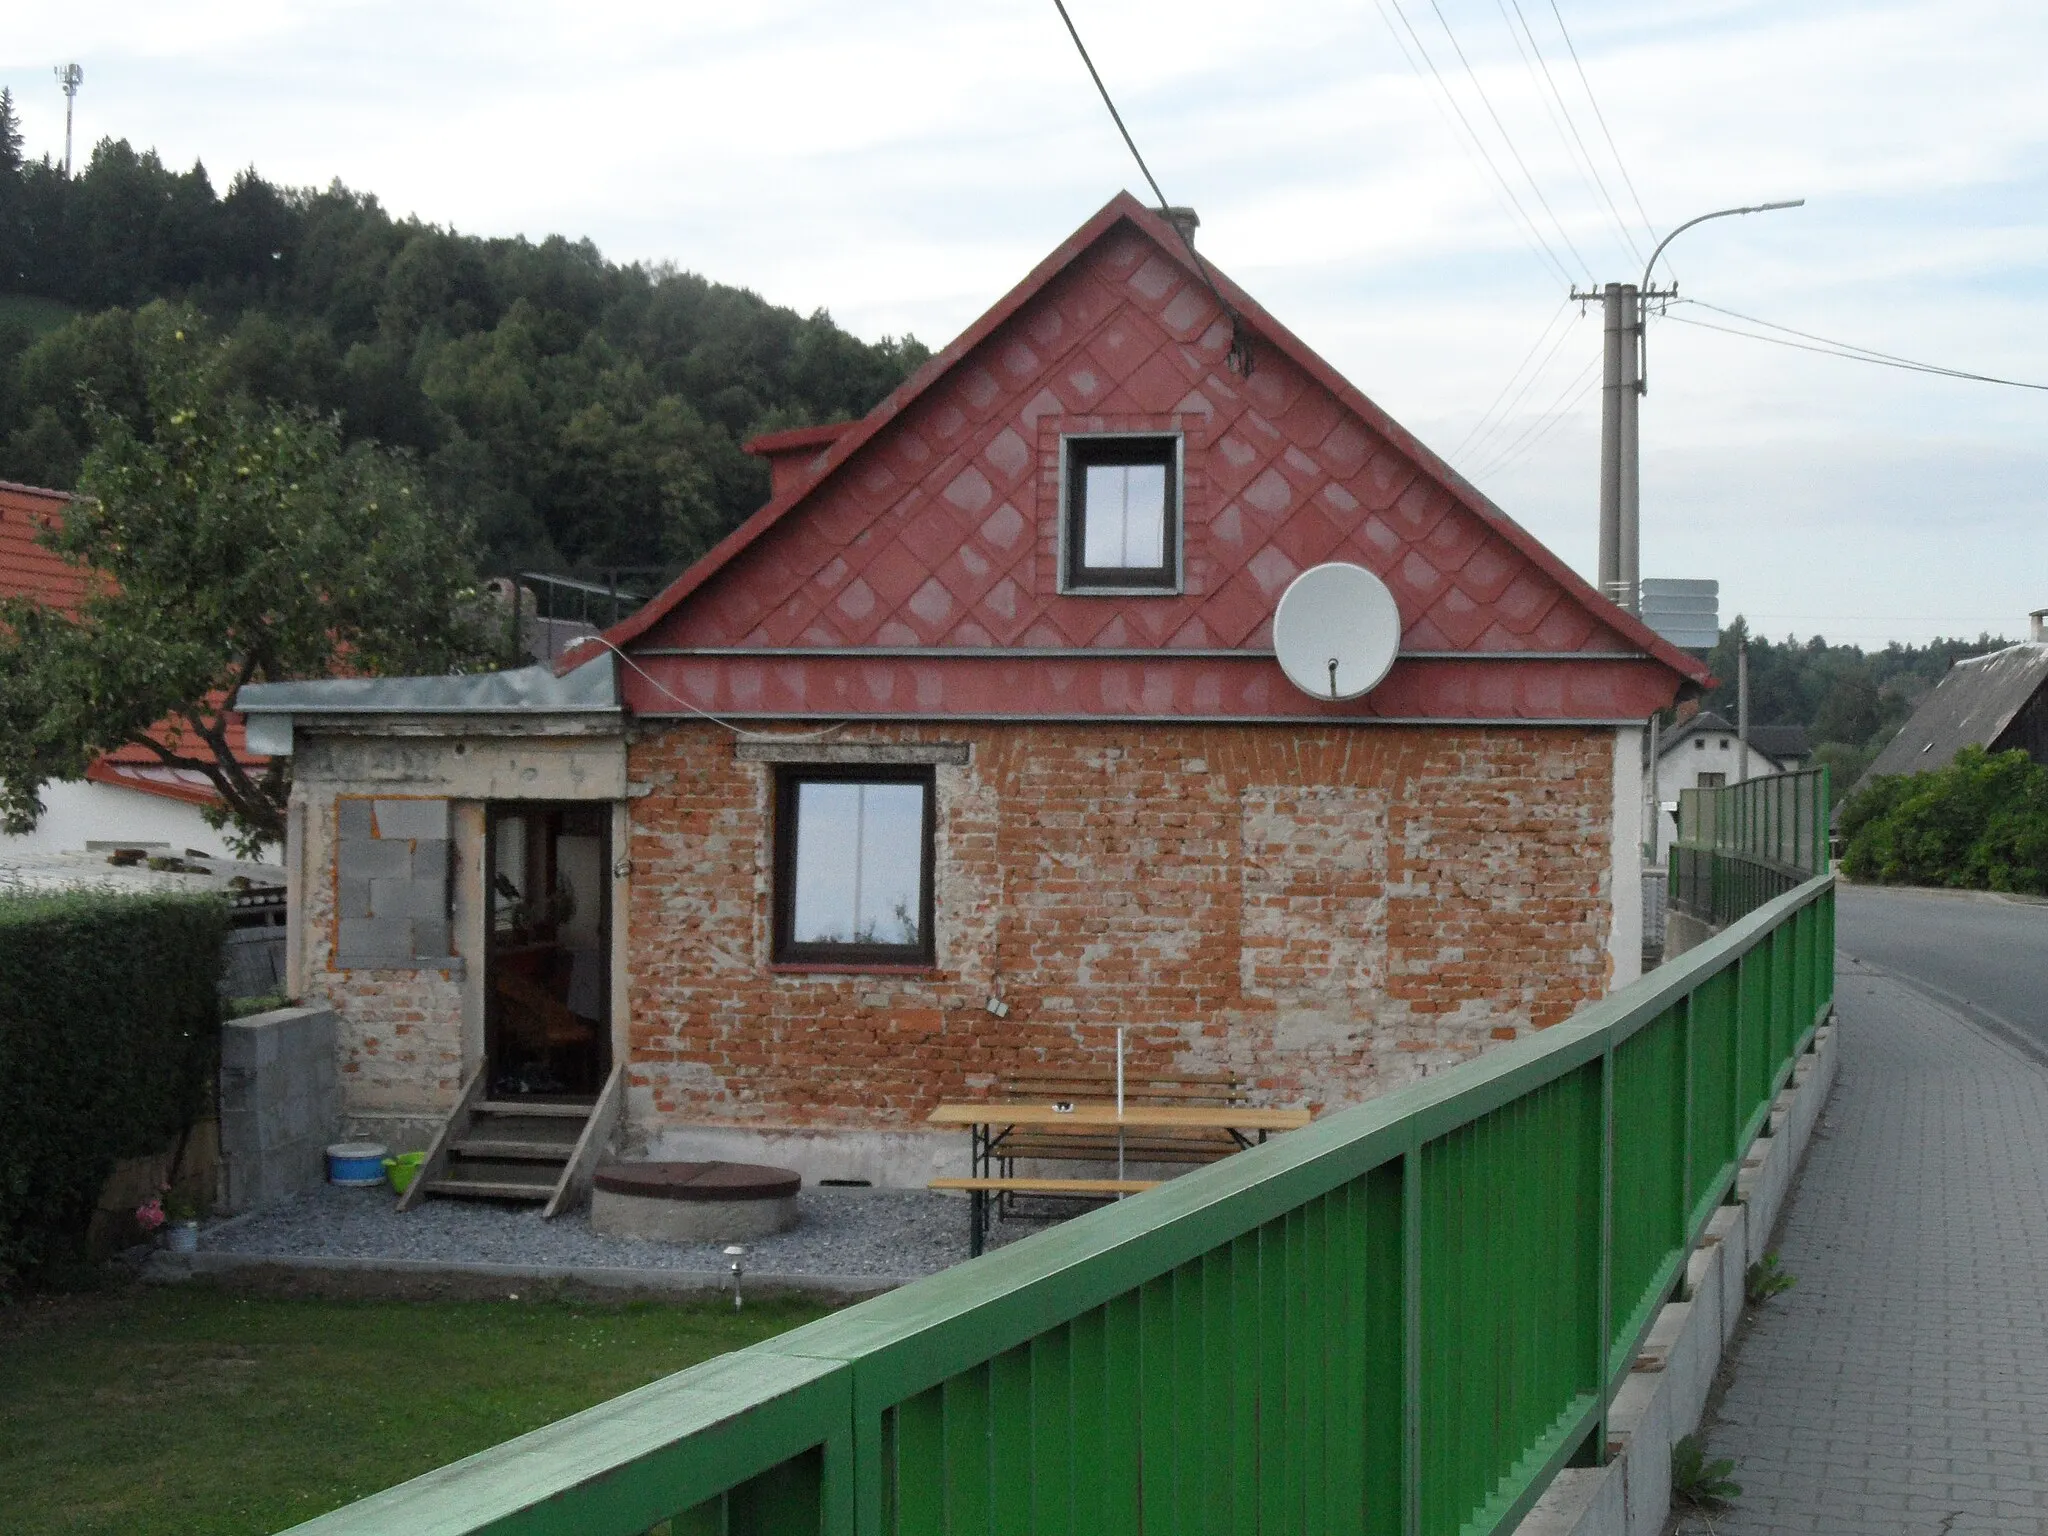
<point>1240,356</point>
<point>1562,406</point>
<point>1534,347</point>
<point>1504,422</point>
<point>1601,118</point>
<point>1508,138</point>
<point>1842,349</point>
<point>1585,155</point>
<point>1472,137</point>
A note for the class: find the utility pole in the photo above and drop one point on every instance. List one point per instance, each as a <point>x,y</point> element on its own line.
<point>69,78</point>
<point>1624,308</point>
<point>1742,704</point>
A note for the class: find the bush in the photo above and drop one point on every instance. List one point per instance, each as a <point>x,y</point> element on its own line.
<point>1981,823</point>
<point>109,1034</point>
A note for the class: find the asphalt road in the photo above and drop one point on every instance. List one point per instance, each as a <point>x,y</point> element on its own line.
<point>1983,954</point>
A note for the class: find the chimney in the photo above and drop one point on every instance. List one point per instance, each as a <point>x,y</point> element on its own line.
<point>2038,625</point>
<point>1186,220</point>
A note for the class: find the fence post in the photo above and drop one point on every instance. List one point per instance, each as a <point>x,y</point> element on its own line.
<point>1411,1336</point>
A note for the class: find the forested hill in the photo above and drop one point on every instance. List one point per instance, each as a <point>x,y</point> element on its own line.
<point>584,414</point>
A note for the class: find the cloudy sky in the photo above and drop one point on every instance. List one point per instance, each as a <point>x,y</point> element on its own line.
<point>1412,186</point>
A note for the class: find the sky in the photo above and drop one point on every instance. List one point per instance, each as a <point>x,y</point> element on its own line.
<point>1413,186</point>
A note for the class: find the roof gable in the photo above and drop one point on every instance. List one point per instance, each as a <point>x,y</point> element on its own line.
<point>932,524</point>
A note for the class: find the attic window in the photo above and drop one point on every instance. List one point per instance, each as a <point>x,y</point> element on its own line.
<point>1122,520</point>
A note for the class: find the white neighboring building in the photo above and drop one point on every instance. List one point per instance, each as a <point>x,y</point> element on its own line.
<point>127,798</point>
<point>1703,751</point>
<point>102,813</point>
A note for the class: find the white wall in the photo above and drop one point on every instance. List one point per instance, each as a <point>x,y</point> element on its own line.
<point>1680,767</point>
<point>78,812</point>
<point>1625,937</point>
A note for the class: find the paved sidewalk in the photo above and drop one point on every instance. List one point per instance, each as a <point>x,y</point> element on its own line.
<point>1902,1386</point>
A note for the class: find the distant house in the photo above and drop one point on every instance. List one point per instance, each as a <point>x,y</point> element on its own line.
<point>969,750</point>
<point>1998,702</point>
<point>1705,751</point>
<point>129,798</point>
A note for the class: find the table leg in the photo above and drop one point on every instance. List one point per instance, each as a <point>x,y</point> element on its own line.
<point>977,1222</point>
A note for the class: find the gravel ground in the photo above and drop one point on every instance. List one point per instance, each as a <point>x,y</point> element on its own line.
<point>888,1233</point>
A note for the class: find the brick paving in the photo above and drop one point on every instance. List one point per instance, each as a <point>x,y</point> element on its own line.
<point>1902,1386</point>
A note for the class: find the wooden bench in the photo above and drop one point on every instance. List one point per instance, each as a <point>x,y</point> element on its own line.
<point>979,1190</point>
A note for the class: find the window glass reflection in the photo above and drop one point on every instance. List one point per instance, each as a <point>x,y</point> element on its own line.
<point>859,864</point>
<point>1123,516</point>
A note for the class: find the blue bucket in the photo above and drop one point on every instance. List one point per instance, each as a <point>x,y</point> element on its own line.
<point>356,1164</point>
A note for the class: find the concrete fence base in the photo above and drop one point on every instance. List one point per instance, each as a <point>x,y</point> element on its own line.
<point>1663,1397</point>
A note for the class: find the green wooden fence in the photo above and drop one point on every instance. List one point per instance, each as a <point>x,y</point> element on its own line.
<point>1403,1319</point>
<point>1740,845</point>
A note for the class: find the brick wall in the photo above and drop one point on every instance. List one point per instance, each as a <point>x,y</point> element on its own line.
<point>398,1038</point>
<point>1330,913</point>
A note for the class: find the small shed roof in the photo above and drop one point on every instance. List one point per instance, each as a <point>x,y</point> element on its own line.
<point>1970,707</point>
<point>587,689</point>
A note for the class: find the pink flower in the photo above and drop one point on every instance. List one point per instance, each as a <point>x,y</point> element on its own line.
<point>150,1214</point>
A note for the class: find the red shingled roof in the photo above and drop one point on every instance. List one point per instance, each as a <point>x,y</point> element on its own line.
<point>27,569</point>
<point>928,526</point>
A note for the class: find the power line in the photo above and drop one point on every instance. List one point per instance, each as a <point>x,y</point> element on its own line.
<point>1472,136</point>
<point>1483,443</point>
<point>1240,356</point>
<point>1585,155</point>
<point>1843,349</point>
<point>1601,118</point>
<point>1508,138</point>
<point>1559,409</point>
<point>1541,337</point>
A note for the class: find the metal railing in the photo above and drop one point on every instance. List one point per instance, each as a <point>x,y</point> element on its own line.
<point>1404,1318</point>
<point>1740,845</point>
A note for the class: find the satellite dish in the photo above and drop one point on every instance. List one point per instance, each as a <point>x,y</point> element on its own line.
<point>1336,631</point>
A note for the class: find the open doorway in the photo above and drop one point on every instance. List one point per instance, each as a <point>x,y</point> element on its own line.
<point>547,1031</point>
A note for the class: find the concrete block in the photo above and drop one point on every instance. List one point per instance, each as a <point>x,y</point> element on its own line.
<point>373,941</point>
<point>280,1104</point>
<point>352,898</point>
<point>402,898</point>
<point>430,862</point>
<point>1640,1418</point>
<point>430,938</point>
<point>353,819</point>
<point>411,820</point>
<point>371,859</point>
<point>1580,1501</point>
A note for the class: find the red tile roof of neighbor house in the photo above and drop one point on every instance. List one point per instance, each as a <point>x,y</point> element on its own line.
<point>27,569</point>
<point>905,564</point>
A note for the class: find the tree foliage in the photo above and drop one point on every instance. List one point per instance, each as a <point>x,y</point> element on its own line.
<point>580,414</point>
<point>1981,823</point>
<point>238,542</point>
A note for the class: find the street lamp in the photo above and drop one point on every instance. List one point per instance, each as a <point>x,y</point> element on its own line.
<point>1625,311</point>
<point>1646,293</point>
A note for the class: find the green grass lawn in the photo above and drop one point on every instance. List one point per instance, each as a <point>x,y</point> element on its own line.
<point>193,1409</point>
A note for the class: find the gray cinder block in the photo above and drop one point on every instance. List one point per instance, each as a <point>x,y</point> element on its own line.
<point>353,818</point>
<point>280,1102</point>
<point>372,859</point>
<point>412,820</point>
<point>373,941</point>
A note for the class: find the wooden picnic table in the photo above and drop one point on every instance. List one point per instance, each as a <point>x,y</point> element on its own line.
<point>990,1123</point>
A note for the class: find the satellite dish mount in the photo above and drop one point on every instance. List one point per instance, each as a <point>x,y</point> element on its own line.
<point>1336,631</point>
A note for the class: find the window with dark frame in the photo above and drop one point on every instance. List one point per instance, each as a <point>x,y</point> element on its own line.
<point>853,866</point>
<point>1123,513</point>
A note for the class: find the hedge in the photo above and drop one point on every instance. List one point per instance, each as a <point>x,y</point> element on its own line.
<point>109,1034</point>
<point>1980,823</point>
